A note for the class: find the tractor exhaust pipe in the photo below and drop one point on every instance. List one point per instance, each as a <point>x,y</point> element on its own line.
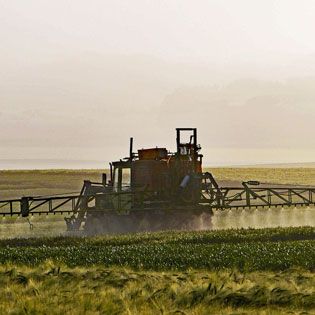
<point>131,148</point>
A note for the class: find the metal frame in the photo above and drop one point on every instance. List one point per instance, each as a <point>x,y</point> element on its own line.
<point>216,197</point>
<point>33,205</point>
<point>246,197</point>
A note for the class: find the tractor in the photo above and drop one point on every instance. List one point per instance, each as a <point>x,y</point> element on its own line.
<point>154,189</point>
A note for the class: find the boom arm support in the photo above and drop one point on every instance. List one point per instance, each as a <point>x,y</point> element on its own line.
<point>260,197</point>
<point>211,194</point>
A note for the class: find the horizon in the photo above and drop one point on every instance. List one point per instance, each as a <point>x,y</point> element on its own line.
<point>60,164</point>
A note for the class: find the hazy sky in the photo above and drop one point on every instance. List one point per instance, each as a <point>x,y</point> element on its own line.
<point>183,30</point>
<point>77,78</point>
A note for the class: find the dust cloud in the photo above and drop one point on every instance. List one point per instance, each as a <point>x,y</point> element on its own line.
<point>263,218</point>
<point>45,226</point>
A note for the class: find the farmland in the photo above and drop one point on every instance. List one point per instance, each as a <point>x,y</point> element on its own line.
<point>247,271</point>
<point>14,184</point>
<point>57,289</point>
<point>244,250</point>
<point>266,270</point>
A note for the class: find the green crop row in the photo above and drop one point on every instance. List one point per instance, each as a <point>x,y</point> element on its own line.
<point>248,256</point>
<point>173,237</point>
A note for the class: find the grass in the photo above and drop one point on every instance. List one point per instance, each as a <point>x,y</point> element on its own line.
<point>57,289</point>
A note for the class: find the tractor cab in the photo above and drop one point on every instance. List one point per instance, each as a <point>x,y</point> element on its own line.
<point>121,176</point>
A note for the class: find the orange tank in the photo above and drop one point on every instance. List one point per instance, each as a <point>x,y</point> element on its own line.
<point>152,154</point>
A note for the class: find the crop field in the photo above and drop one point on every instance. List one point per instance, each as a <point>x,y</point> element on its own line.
<point>232,269</point>
<point>57,289</point>
<point>247,271</point>
<point>292,176</point>
<point>14,184</point>
<point>245,250</point>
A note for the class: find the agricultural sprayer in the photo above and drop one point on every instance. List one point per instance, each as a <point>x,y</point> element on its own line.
<point>155,189</point>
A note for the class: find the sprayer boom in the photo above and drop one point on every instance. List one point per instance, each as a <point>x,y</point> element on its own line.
<point>220,198</point>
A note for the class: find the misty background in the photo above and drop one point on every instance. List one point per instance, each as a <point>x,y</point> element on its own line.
<point>78,78</point>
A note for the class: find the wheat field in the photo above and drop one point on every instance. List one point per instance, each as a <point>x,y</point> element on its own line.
<point>224,271</point>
